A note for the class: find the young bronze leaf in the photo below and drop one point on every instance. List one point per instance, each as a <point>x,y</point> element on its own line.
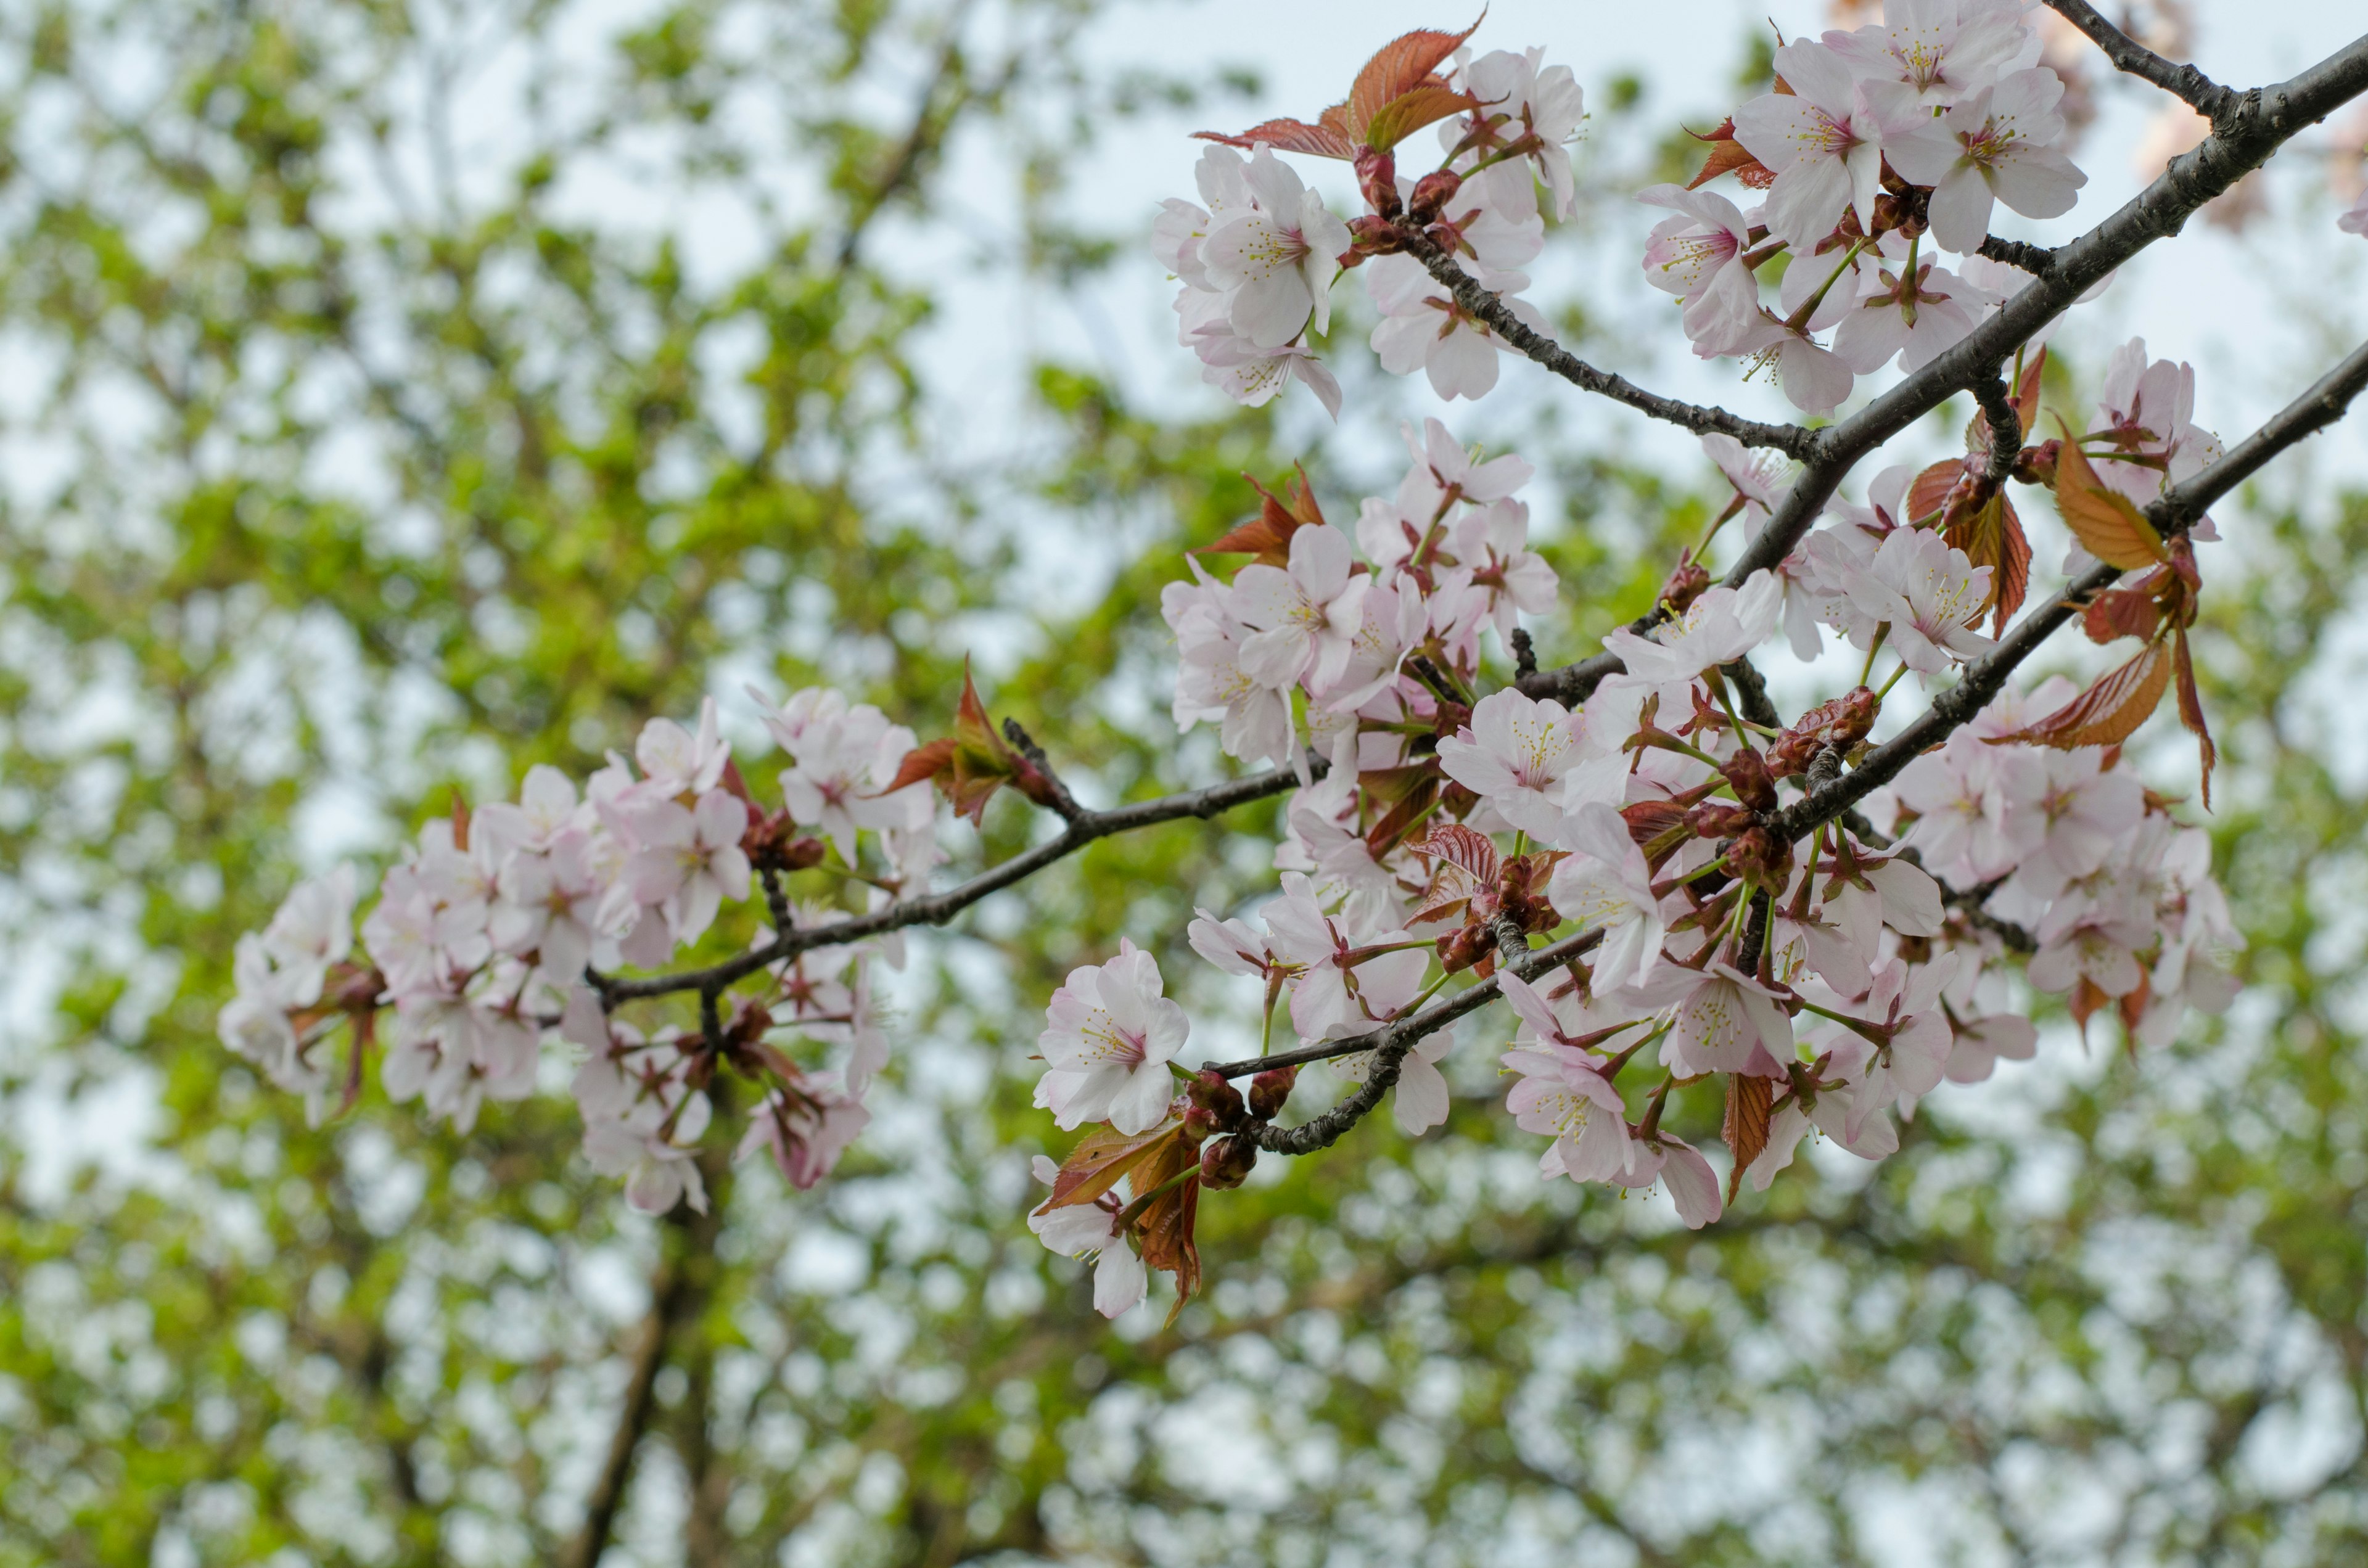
<point>2190,709</point>
<point>2026,391</point>
<point>1468,851</point>
<point>1930,492</point>
<point>1410,112</point>
<point>1991,535</point>
<point>2107,713</point>
<point>1746,1127</point>
<point>1165,1227</point>
<point>1324,140</point>
<point>2104,522</point>
<point>1100,1158</point>
<point>2134,611</point>
<point>1397,68</point>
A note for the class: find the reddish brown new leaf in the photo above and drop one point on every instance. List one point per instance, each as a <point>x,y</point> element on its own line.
<point>1991,535</point>
<point>2134,611</point>
<point>2107,713</point>
<point>2191,709</point>
<point>2104,522</point>
<point>1727,156</point>
<point>1410,112</point>
<point>1746,1127</point>
<point>1396,69</point>
<point>1165,1227</point>
<point>1326,138</point>
<point>2026,391</point>
<point>1928,497</point>
<point>1472,852</point>
<point>1100,1158</point>
<point>1267,535</point>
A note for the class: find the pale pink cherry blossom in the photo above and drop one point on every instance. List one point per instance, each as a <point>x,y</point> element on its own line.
<point>677,762</point>
<point>841,755</point>
<point>254,1024</point>
<point>1353,975</point>
<point>1821,141</point>
<point>1906,307</point>
<point>2355,220</point>
<point>1981,1043</point>
<point>1697,255</point>
<point>2085,812</point>
<point>552,904</point>
<point>2148,407</point>
<point>1722,1021</point>
<point>1564,1095</point>
<point>1910,899</point>
<point>1996,143</point>
<point>1761,477</point>
<point>1419,1100</point>
<point>1177,233</point>
<point>1091,1230</point>
<point>1834,938</point>
<point>1603,885</point>
<point>312,930</point>
<point>807,1126</point>
<point>546,806</point>
<point>1718,628</point>
<point>1304,620</point>
<point>1497,575</point>
<point>690,861</point>
<point>646,1129</point>
<point>1249,374</point>
<point>1825,1109</point>
<point>1323,826</point>
<point>1900,1018</point>
<point>1522,103</point>
<point>1276,260</point>
<point>1110,1033</point>
<point>1929,594</point>
<point>1235,948</point>
<point>1253,717</point>
<point>1668,1159</point>
<point>1423,327</point>
<point>1939,50</point>
<point>420,940</point>
<point>1975,805</point>
<point>2095,939</point>
<point>1494,215</point>
<point>1816,575</point>
<point>456,1054</point>
<point>1813,378</point>
<point>1516,755</point>
<point>1392,624</point>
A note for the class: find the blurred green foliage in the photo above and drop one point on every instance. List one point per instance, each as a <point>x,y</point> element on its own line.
<point>349,462</point>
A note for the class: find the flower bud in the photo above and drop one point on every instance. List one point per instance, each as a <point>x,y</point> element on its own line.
<point>1227,1163</point>
<point>2036,465</point>
<point>1377,178</point>
<point>1369,235</point>
<point>1747,773</point>
<point>1757,860</point>
<point>1460,949</point>
<point>1686,582</point>
<point>1431,193</point>
<point>1716,819</point>
<point>1209,1092</point>
<point>1269,1089</point>
<point>1199,1124</point>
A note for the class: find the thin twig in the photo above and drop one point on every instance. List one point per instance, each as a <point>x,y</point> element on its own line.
<point>2201,92</point>
<point>2006,425</point>
<point>936,909</point>
<point>1793,440</point>
<point>2034,259</point>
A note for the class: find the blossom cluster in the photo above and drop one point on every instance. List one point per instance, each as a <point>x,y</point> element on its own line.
<point>492,936</point>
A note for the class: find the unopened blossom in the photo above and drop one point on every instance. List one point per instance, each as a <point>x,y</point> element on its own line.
<point>690,861</point>
<point>1821,141</point>
<point>1091,1230</point>
<point>1517,754</point>
<point>1603,885</point>
<point>1939,50</point>
<point>1276,259</point>
<point>1929,594</point>
<point>1996,143</point>
<point>1698,257</point>
<point>1522,102</point>
<point>1303,620</point>
<point>1110,1033</point>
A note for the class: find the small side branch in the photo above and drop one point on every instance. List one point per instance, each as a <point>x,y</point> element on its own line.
<point>1791,439</point>
<point>2034,259</point>
<point>2130,58</point>
<point>2006,425</point>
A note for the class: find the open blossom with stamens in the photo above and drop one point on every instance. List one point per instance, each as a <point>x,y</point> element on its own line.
<point>1091,1230</point>
<point>1538,111</point>
<point>690,860</point>
<point>1939,50</point>
<point>1418,1100</point>
<point>1929,594</point>
<point>1671,1161</point>
<point>1563,1094</point>
<point>1603,885</point>
<point>1906,307</point>
<point>1820,140</point>
<point>1304,620</point>
<point>1997,143</point>
<point>1697,255</point>
<point>1423,327</point>
<point>1253,718</point>
<point>1724,1021</point>
<point>1108,1036</point>
<point>1348,981</point>
<point>1761,477</point>
<point>1973,805</point>
<point>843,754</point>
<point>1278,259</point>
<point>1718,628</point>
<point>1517,754</point>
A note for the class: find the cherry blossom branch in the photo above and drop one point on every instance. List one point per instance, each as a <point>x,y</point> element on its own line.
<point>1793,440</point>
<point>2130,58</point>
<point>2172,513</point>
<point>2031,258</point>
<point>2006,425</point>
<point>936,909</point>
<point>1389,1045</point>
<point>2263,120</point>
